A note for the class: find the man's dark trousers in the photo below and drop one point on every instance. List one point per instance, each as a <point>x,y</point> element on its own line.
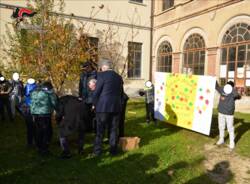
<point>42,124</point>
<point>110,120</point>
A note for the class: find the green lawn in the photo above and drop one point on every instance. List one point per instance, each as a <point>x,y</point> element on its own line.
<point>167,154</point>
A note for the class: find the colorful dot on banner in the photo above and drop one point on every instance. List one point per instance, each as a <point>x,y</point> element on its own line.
<point>176,86</point>
<point>200,89</point>
<point>191,91</point>
<point>161,88</point>
<point>190,104</point>
<point>207,102</point>
<point>173,97</point>
<point>201,97</point>
<point>157,99</point>
<point>186,89</point>
<point>192,81</point>
<point>208,91</point>
<point>181,99</point>
<point>177,97</point>
<point>200,112</point>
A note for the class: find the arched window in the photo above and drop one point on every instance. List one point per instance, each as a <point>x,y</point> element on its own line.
<point>194,55</point>
<point>235,57</point>
<point>164,63</point>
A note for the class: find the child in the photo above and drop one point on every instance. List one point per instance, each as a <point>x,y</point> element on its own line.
<point>226,110</point>
<point>149,101</point>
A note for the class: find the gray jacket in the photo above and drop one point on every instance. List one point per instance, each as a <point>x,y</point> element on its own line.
<point>227,102</point>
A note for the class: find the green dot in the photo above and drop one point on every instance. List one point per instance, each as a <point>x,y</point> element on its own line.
<point>186,89</point>
<point>190,103</point>
<point>192,81</point>
<point>200,89</point>
<point>177,97</point>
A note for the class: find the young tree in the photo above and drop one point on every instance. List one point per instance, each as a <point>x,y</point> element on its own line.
<point>46,46</point>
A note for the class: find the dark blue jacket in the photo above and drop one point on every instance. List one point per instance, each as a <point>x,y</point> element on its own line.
<point>29,88</point>
<point>108,94</point>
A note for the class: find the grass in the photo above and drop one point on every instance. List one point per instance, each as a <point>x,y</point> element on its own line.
<point>167,154</point>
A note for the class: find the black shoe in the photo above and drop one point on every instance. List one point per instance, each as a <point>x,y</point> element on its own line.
<point>65,155</point>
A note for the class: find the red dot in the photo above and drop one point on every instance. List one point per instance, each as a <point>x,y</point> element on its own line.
<point>181,99</point>
<point>201,97</point>
<point>161,88</point>
<point>173,97</point>
<point>208,91</point>
<point>207,102</point>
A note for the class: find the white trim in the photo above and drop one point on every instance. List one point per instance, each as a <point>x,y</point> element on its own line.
<point>226,26</point>
<point>160,40</point>
<point>156,47</point>
<point>194,30</point>
<point>231,22</point>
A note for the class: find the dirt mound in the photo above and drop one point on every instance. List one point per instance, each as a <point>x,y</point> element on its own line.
<point>223,165</point>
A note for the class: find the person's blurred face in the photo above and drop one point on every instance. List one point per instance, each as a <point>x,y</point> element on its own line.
<point>92,85</point>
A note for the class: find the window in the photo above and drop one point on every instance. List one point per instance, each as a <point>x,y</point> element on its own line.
<point>235,57</point>
<point>194,55</point>
<point>134,59</point>
<point>137,1</point>
<point>166,4</point>
<point>164,57</point>
<point>90,45</point>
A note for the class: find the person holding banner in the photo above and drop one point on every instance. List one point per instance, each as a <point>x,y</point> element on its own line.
<point>226,109</point>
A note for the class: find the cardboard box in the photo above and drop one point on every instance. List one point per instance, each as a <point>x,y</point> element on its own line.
<point>129,143</point>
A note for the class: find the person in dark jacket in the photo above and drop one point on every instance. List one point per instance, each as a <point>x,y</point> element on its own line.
<point>5,90</point>
<point>25,109</point>
<point>124,101</point>
<point>226,108</point>
<point>71,116</point>
<point>107,103</point>
<point>43,103</point>
<point>85,94</point>
<point>16,94</point>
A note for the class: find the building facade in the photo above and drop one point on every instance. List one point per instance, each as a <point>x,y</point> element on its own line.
<point>204,37</point>
<point>124,24</point>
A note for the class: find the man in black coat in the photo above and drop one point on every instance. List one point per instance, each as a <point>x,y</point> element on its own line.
<point>85,94</point>
<point>107,103</point>
<point>72,117</point>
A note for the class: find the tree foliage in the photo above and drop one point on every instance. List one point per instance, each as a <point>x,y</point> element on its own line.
<point>47,46</point>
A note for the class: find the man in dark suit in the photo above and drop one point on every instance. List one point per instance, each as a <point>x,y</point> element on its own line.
<point>107,104</point>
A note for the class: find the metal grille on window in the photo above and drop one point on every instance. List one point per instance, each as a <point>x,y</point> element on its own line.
<point>164,61</point>
<point>235,57</point>
<point>194,55</point>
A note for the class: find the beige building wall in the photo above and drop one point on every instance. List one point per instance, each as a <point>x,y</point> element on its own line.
<point>210,19</point>
<point>130,19</point>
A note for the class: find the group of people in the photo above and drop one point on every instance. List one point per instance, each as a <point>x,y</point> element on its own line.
<point>100,105</point>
